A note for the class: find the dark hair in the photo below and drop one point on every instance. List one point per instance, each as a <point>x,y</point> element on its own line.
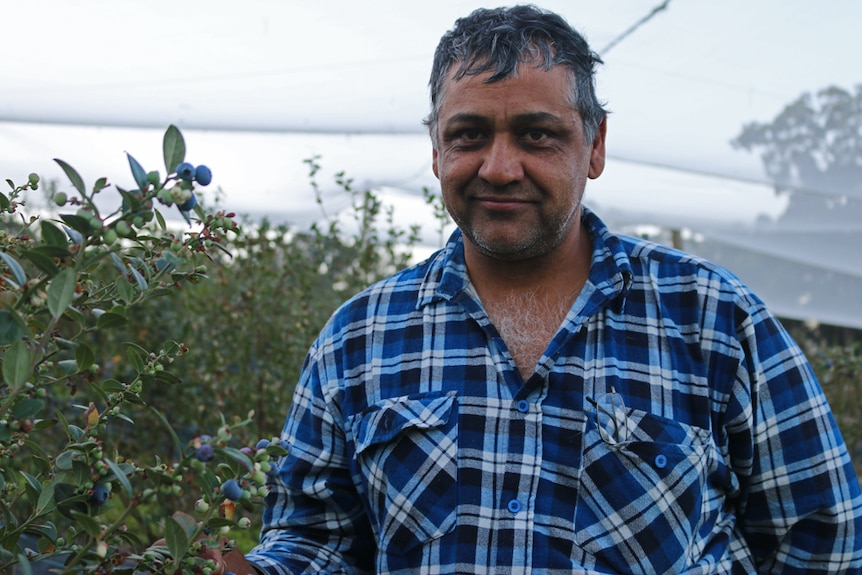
<point>498,40</point>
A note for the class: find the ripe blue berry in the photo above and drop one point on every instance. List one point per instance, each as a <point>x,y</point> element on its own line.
<point>205,452</point>
<point>203,175</point>
<point>100,493</point>
<point>189,204</point>
<point>232,490</point>
<point>263,443</point>
<point>186,171</point>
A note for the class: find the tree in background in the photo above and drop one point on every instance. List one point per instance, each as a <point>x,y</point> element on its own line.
<point>812,151</point>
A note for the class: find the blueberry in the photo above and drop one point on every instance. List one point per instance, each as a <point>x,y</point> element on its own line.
<point>186,171</point>
<point>262,444</point>
<point>205,452</point>
<point>100,493</point>
<point>189,204</point>
<point>232,490</point>
<point>203,175</point>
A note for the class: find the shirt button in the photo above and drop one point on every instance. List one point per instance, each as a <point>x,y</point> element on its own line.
<point>660,461</point>
<point>514,505</point>
<point>523,406</point>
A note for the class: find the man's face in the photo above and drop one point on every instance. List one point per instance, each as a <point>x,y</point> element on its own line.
<point>512,161</point>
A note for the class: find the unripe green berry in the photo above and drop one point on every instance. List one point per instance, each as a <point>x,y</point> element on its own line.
<point>110,236</point>
<point>33,178</point>
<point>60,199</point>
<point>123,229</point>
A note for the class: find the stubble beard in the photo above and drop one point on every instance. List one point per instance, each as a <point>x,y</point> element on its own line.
<point>539,240</point>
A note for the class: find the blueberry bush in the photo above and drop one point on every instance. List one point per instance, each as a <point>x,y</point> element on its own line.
<point>70,283</point>
<point>125,340</point>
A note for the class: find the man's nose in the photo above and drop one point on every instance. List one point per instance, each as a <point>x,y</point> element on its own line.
<point>502,162</point>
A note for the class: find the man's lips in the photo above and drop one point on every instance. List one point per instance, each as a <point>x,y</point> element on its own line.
<point>501,204</point>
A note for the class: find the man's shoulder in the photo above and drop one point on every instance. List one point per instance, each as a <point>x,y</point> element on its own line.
<point>666,269</point>
<point>392,296</point>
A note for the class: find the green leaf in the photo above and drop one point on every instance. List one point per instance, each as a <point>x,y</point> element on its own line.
<point>16,364</point>
<point>10,327</point>
<point>178,446</point>
<point>125,291</point>
<point>174,148</point>
<point>113,386</point>
<point>100,185</point>
<point>34,484</point>
<point>53,235</point>
<point>165,376</point>
<point>73,176</point>
<point>175,538</point>
<point>121,476</point>
<point>24,565</point>
<point>43,261</point>
<point>77,223</point>
<point>46,499</point>
<point>68,366</point>
<point>142,283</point>
<point>4,200</point>
<point>87,523</point>
<point>187,522</point>
<point>15,268</point>
<point>161,220</point>
<point>138,172</point>
<point>131,202</point>
<point>64,461</point>
<point>239,457</point>
<point>28,408</point>
<point>110,320</point>
<point>84,357</point>
<point>61,290</point>
<point>219,522</point>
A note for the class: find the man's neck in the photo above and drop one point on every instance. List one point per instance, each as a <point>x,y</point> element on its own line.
<point>528,300</point>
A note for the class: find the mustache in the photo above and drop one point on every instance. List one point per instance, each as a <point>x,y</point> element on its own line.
<point>517,192</point>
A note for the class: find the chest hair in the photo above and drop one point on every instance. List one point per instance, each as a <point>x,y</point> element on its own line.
<point>527,322</point>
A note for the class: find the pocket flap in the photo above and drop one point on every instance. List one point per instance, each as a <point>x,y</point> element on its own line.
<point>380,422</point>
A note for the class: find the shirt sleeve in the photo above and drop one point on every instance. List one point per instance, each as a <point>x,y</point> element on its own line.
<point>314,520</point>
<point>801,510</point>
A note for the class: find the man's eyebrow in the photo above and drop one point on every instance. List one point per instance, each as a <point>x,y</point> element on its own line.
<point>537,118</point>
<point>524,118</point>
<point>467,118</point>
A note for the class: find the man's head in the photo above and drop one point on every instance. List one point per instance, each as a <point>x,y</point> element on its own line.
<point>497,41</point>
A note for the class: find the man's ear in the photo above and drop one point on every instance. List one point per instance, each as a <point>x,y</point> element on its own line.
<point>434,161</point>
<point>597,153</point>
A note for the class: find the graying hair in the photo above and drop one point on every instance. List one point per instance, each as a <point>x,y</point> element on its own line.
<point>498,40</point>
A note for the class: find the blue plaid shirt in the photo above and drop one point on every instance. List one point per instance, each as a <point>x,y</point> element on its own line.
<point>417,447</point>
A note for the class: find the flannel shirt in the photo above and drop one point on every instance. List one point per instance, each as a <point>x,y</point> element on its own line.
<point>415,446</point>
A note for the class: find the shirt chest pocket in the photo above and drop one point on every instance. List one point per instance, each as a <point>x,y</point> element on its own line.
<point>642,501</point>
<point>406,453</point>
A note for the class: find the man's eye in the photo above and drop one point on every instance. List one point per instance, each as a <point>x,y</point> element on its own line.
<point>471,134</point>
<point>535,135</point>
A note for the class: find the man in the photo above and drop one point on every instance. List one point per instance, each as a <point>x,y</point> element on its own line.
<point>543,396</point>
